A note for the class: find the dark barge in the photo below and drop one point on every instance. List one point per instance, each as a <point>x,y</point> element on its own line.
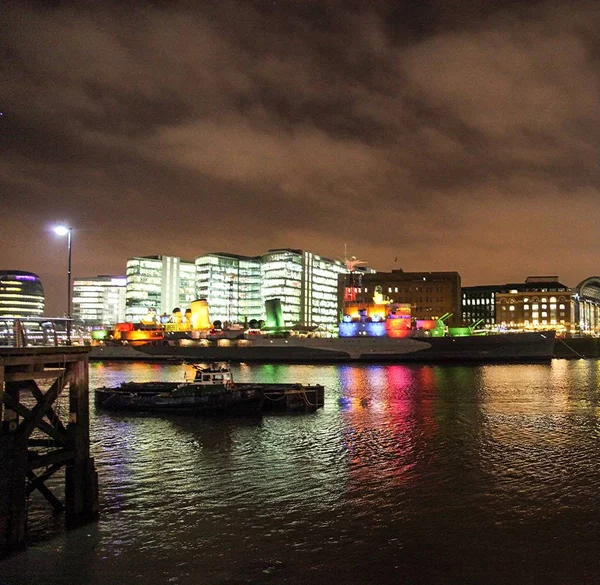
<point>212,391</point>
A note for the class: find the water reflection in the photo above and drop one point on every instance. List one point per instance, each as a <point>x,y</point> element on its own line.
<point>410,473</point>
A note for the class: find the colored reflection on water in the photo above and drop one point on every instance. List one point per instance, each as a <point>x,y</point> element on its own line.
<point>410,473</point>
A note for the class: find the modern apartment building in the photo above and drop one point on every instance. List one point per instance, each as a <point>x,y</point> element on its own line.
<point>21,294</point>
<point>99,300</point>
<point>158,284</point>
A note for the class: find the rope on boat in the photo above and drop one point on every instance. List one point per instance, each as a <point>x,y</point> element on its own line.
<point>299,392</point>
<point>569,347</point>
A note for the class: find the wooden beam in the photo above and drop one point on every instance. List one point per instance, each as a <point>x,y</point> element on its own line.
<point>1,391</point>
<point>58,435</point>
<point>53,458</point>
<point>52,416</point>
<point>26,376</point>
<point>45,491</point>
<point>57,361</point>
<point>36,480</point>
<point>39,410</point>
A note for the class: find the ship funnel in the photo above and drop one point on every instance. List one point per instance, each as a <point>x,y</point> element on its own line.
<point>274,313</point>
<point>199,318</point>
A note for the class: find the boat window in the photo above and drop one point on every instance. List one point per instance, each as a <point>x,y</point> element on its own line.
<point>218,377</point>
<point>206,378</point>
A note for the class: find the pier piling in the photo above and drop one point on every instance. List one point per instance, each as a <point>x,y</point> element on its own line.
<point>36,441</point>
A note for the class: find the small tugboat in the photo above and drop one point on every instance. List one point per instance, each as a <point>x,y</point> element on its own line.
<point>212,391</point>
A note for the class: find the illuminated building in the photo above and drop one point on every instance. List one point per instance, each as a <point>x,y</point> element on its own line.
<point>541,302</point>
<point>238,288</point>
<point>99,300</point>
<point>429,294</point>
<point>479,304</point>
<point>21,294</point>
<point>157,284</point>
<point>305,284</point>
<point>231,285</point>
<point>586,306</point>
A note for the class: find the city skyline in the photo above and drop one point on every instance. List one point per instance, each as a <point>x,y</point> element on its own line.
<point>453,136</point>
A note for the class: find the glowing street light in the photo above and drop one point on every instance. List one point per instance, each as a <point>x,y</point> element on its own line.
<point>62,230</point>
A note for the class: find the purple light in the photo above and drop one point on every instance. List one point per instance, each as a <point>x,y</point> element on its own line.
<point>24,277</point>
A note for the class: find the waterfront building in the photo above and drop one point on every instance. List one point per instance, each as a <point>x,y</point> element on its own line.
<point>429,294</point>
<point>99,300</point>
<point>231,284</point>
<point>21,294</point>
<point>305,284</point>
<point>586,306</point>
<point>479,304</point>
<point>154,285</point>
<point>541,302</point>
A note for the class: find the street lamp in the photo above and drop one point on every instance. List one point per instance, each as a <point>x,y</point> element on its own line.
<point>62,230</point>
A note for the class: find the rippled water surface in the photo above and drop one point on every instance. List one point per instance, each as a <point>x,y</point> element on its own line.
<point>409,474</point>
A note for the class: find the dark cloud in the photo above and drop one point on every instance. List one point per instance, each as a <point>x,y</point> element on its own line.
<point>452,135</point>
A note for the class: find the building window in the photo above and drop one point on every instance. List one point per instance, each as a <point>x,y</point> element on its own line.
<point>526,307</point>
<point>512,308</point>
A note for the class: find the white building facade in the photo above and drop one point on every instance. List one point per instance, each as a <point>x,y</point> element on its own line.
<point>231,285</point>
<point>157,284</point>
<point>99,300</point>
<point>306,285</point>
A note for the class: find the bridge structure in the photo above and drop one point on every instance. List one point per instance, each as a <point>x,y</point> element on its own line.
<point>44,437</point>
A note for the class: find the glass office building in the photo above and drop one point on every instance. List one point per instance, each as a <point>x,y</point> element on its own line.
<point>99,300</point>
<point>156,284</point>
<point>305,284</point>
<point>231,285</point>
<point>21,294</point>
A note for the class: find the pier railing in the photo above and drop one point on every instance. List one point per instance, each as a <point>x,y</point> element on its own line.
<point>33,331</point>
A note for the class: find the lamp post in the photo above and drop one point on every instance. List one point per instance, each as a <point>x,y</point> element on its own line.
<point>62,230</point>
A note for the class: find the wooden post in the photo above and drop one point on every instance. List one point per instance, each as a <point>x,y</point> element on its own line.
<point>81,496</point>
<point>13,474</point>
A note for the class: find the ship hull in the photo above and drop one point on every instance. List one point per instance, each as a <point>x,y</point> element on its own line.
<point>146,398</point>
<point>509,347</point>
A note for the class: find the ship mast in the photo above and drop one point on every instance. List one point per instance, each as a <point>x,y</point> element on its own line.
<point>353,279</point>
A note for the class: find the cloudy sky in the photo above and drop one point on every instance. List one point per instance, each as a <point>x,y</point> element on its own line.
<point>431,135</point>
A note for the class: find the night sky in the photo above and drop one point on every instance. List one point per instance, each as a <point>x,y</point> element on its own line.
<point>423,135</point>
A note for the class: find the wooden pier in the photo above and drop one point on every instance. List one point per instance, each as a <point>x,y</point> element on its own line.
<point>38,439</point>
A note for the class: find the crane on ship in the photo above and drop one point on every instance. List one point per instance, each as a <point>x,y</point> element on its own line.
<point>354,279</point>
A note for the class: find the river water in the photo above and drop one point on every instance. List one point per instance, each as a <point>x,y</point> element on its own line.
<point>409,474</point>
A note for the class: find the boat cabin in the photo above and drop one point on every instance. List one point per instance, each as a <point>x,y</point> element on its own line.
<point>218,374</point>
